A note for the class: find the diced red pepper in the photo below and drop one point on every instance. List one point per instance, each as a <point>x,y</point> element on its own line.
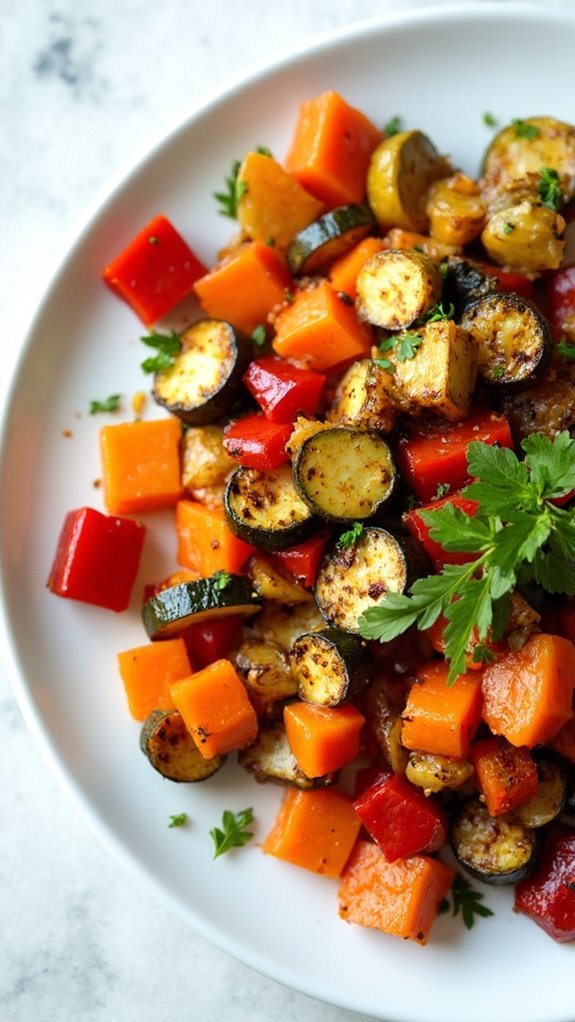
<point>155,271</point>
<point>97,559</point>
<point>428,459</point>
<point>506,775</point>
<point>509,280</point>
<point>209,641</point>
<point>561,303</point>
<point>400,818</point>
<point>282,389</point>
<point>420,530</point>
<point>304,560</point>
<point>255,442</point>
<point>548,896</point>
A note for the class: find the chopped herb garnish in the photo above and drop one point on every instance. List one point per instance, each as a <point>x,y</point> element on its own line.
<point>525,130</point>
<point>153,240</point>
<point>489,119</point>
<point>442,490</point>
<point>111,404</point>
<point>482,654</point>
<point>222,579</point>
<point>167,346</point>
<point>270,242</point>
<point>179,820</point>
<point>497,373</point>
<point>345,298</point>
<point>350,537</point>
<point>566,349</point>
<point>264,151</point>
<point>234,833</point>
<point>393,126</point>
<point>549,188</point>
<point>438,313</point>
<point>508,228</point>
<point>410,502</point>
<point>467,900</point>
<point>418,248</point>
<point>407,345</point>
<point>289,296</point>
<point>228,200</point>
<point>516,532</point>
<point>259,335</point>
<point>444,270</point>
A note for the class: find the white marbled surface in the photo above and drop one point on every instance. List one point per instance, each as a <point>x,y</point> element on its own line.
<point>83,86</point>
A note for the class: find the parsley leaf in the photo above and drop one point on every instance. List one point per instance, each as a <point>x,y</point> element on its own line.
<point>466,900</point>
<point>228,199</point>
<point>407,345</point>
<point>549,188</point>
<point>392,127</point>
<point>566,349</point>
<point>525,130</point>
<point>489,119</point>
<point>110,404</point>
<point>234,833</point>
<point>179,820</point>
<point>167,347</point>
<point>259,335</point>
<point>350,537</point>
<point>264,151</point>
<point>437,313</point>
<point>221,580</point>
<point>508,228</point>
<point>442,490</point>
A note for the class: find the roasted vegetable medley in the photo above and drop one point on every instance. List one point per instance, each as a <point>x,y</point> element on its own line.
<point>365,436</point>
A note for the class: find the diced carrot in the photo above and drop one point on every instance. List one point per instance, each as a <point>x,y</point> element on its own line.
<point>506,776</point>
<point>216,710</point>
<point>401,898</point>
<point>331,148</point>
<point>147,673</point>
<point>245,286</point>
<point>343,272</point>
<point>527,695</point>
<point>141,465</point>
<point>564,741</point>
<point>205,544</point>
<point>321,330</point>
<point>315,830</point>
<point>322,739</point>
<point>273,206</point>
<point>439,718</point>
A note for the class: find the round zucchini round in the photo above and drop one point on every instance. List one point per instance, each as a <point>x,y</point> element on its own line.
<point>265,509</point>
<point>171,750</point>
<point>495,850</point>
<point>525,146</point>
<point>315,247</point>
<point>174,608</point>
<point>330,667</point>
<point>512,339</point>
<point>205,378</point>
<point>400,172</point>
<point>344,474</point>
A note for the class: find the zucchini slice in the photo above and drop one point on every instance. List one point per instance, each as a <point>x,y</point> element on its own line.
<point>188,603</point>
<point>493,850</point>
<point>315,247</point>
<point>525,147</point>
<point>270,758</point>
<point>264,508</point>
<point>205,379</point>
<point>548,801</point>
<point>330,667</point>
<point>344,474</point>
<point>396,287</point>
<point>364,398</point>
<point>400,173</point>
<point>266,672</point>
<point>353,578</point>
<point>512,339</point>
<point>171,750</point>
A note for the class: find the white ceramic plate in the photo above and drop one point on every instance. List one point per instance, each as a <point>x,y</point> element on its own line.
<point>440,70</point>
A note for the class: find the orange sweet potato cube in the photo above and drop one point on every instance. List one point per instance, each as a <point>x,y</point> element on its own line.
<point>147,673</point>
<point>321,739</point>
<point>315,830</point>
<point>216,710</point>
<point>205,543</point>
<point>141,465</point>
<point>321,329</point>
<point>245,286</point>
<point>438,718</point>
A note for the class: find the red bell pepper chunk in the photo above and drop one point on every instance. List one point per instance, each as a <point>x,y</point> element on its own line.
<point>420,530</point>
<point>255,442</point>
<point>561,303</point>
<point>304,560</point>
<point>282,389</point>
<point>510,281</point>
<point>441,457</point>
<point>97,559</point>
<point>155,271</point>
<point>209,641</point>
<point>400,818</point>
<point>548,896</point>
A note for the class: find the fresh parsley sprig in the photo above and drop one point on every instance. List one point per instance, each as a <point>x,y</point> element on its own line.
<point>525,130</point>
<point>466,900</point>
<point>516,532</point>
<point>110,404</point>
<point>234,833</point>
<point>167,347</point>
<point>234,189</point>
<point>549,188</point>
<point>404,346</point>
<point>178,820</point>
<point>438,313</point>
<point>350,537</point>
<point>392,127</point>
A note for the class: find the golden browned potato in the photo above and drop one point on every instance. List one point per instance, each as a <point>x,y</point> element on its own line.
<point>394,288</point>
<point>273,206</point>
<point>525,146</point>
<point>303,429</point>
<point>440,375</point>
<point>455,210</point>
<point>364,398</point>
<point>401,170</point>
<point>525,237</point>
<point>204,459</point>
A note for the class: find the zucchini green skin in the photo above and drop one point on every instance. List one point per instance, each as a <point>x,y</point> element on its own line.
<point>205,380</point>
<point>512,339</point>
<point>496,851</point>
<point>188,603</point>
<point>270,759</point>
<point>317,245</point>
<point>264,508</point>
<point>171,750</point>
<point>345,474</point>
<point>331,666</point>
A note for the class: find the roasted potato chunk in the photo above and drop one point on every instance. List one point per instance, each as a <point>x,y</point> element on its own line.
<point>364,398</point>
<point>271,583</point>
<point>525,237</point>
<point>205,463</point>
<point>401,170</point>
<point>455,210</point>
<point>440,376</point>
<point>394,288</point>
<point>524,147</point>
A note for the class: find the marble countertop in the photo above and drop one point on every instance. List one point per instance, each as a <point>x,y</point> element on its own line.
<point>83,87</point>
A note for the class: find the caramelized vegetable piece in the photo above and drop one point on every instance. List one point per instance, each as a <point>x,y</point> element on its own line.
<point>272,582</point>
<point>401,170</point>
<point>455,210</point>
<point>266,672</point>
<point>440,375</point>
<point>546,804</point>
<point>510,337</point>
<point>524,147</point>
<point>344,271</point>
<point>171,750</point>
<point>437,773</point>
<point>315,248</point>
<point>495,850</point>
<point>315,830</point>
<point>322,739</point>
<point>394,288</point>
<point>548,897</point>
<point>141,465</point>
<point>270,758</point>
<point>204,459</point>
<point>147,673</point>
<point>284,624</point>
<point>330,666</point>
<point>365,398</point>
<point>400,898</point>
<point>439,718</point>
<point>205,543</point>
<point>400,818</point>
<point>244,287</point>
<point>525,237</point>
<point>506,776</point>
<point>321,329</point>
<point>216,709</point>
<point>382,705</point>
<point>273,205</point>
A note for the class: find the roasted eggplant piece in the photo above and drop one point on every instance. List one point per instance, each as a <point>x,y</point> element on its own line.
<point>266,672</point>
<point>495,850</point>
<point>264,508</point>
<point>205,379</point>
<point>512,339</point>
<point>382,705</point>
<point>344,474</point>
<point>547,804</point>
<point>270,758</point>
<point>282,625</point>
<point>271,582</point>
<point>465,282</point>
<point>525,146</point>
<point>400,173</point>
<point>315,247</point>
<point>330,667</point>
<point>353,578</point>
<point>171,750</point>
<point>396,287</point>
<point>364,398</point>
<point>188,603</point>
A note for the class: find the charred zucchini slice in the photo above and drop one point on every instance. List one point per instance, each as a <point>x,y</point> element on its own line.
<point>364,398</point>
<point>344,474</point>
<point>524,147</point>
<point>330,667</point>
<point>270,758</point>
<point>205,378</point>
<point>548,801</point>
<point>494,850</point>
<point>512,339</point>
<point>171,750</point>
<point>401,170</point>
<point>264,508</point>
<point>317,245</point>
<point>396,287</point>
<point>465,282</point>
<point>188,603</point>
<point>353,578</point>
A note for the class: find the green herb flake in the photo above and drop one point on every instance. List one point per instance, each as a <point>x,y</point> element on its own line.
<point>549,188</point>
<point>233,833</point>
<point>525,130</point>
<point>167,347</point>
<point>438,313</point>
<point>489,120</point>
<point>222,579</point>
<point>385,364</point>
<point>466,900</point>
<point>508,229</point>
<point>407,345</point>
<point>270,242</point>
<point>442,490</point>
<point>482,654</point>
<point>264,151</point>
<point>179,820</point>
<point>497,373</point>
<point>345,298</point>
<point>444,270</point>
<point>259,335</point>
<point>393,126</point>
<point>289,296</point>
<point>566,349</point>
<point>234,189</point>
<point>153,240</point>
<point>350,537</point>
<point>110,404</point>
